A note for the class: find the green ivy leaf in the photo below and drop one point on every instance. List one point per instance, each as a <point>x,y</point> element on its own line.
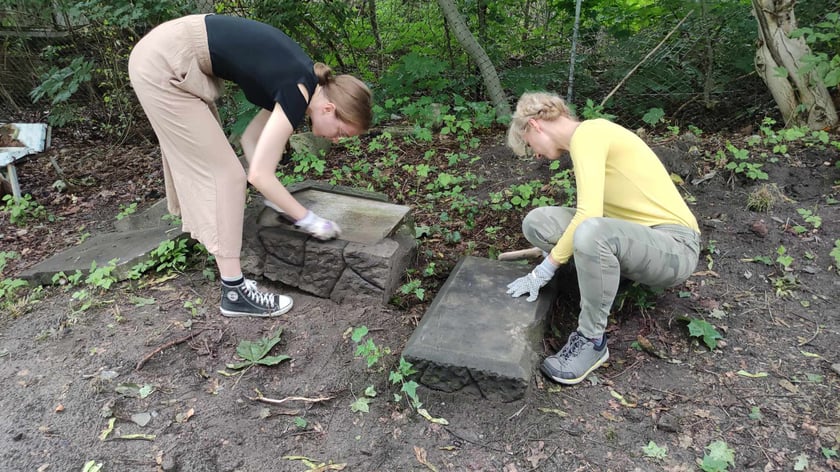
<point>359,333</point>
<point>655,451</point>
<point>703,329</point>
<point>801,462</point>
<point>255,352</point>
<point>361,405</point>
<point>719,457</point>
<point>273,360</point>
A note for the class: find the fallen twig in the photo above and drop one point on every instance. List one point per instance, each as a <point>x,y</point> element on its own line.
<point>819,328</point>
<point>275,401</point>
<point>167,345</point>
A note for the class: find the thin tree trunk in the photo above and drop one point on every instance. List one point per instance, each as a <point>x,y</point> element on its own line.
<point>481,10</point>
<point>478,55</point>
<point>374,28</point>
<point>802,98</point>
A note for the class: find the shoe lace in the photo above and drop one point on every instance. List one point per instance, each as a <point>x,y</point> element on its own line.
<point>572,349</point>
<point>255,295</point>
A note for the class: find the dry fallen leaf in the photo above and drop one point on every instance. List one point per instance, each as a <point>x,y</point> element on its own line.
<point>420,455</point>
<point>184,417</point>
<point>788,386</point>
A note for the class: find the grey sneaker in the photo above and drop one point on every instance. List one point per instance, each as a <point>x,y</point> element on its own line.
<point>576,360</point>
<point>247,300</point>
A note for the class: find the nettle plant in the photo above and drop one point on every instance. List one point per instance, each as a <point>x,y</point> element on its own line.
<point>779,140</point>
<point>740,163</point>
<point>810,218</point>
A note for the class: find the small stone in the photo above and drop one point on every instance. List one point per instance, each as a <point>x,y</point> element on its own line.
<point>836,368</point>
<point>669,423</point>
<point>759,228</point>
<point>168,464</point>
<point>141,419</point>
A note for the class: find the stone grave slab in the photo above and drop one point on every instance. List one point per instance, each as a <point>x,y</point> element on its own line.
<point>127,247</point>
<point>368,260</point>
<point>361,219</point>
<point>474,337</point>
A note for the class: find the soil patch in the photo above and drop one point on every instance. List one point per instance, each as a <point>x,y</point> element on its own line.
<point>769,391</point>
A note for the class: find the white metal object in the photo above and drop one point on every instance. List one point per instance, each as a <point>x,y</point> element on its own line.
<point>35,138</point>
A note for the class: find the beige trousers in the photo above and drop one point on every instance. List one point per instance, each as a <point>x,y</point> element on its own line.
<point>172,76</point>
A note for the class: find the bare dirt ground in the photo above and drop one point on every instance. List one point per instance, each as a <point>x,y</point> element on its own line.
<point>138,381</point>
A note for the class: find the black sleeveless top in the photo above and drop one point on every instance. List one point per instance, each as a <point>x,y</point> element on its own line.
<point>265,63</point>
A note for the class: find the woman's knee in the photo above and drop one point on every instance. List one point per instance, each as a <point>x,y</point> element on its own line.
<point>531,225</point>
<point>589,235</point>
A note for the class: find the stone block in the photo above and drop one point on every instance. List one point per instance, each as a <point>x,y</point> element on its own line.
<point>368,260</point>
<point>323,266</point>
<point>476,338</point>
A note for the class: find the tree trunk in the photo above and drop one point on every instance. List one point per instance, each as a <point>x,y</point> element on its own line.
<point>374,29</point>
<point>481,11</point>
<point>478,55</point>
<point>801,98</point>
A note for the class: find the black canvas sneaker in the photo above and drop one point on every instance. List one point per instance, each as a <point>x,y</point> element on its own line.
<point>247,300</point>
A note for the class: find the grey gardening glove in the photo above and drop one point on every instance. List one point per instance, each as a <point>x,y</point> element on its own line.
<point>321,228</point>
<point>533,282</point>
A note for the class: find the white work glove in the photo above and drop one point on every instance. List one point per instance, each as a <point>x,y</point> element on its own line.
<point>321,228</point>
<point>533,282</point>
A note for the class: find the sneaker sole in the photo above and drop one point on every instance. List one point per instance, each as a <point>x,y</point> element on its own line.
<point>240,314</point>
<point>577,380</point>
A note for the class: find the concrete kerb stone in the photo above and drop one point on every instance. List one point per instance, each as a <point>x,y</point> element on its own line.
<point>476,338</point>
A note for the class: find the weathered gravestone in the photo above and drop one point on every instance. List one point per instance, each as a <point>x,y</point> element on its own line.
<point>476,338</point>
<point>376,245</point>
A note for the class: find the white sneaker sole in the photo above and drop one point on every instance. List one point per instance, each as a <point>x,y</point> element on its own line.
<point>279,311</point>
<point>577,380</point>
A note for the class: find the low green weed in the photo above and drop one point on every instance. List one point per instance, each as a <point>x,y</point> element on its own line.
<point>407,387</point>
<point>366,348</point>
<point>810,217</point>
<point>126,210</point>
<point>784,284</point>
<point>5,257</point>
<point>24,210</point>
<point>835,253</point>
<point>169,256</point>
<point>193,306</point>
<point>654,116</point>
<point>528,195</point>
<point>639,296</point>
<point>99,279</point>
<point>740,163</point>
<point>783,259</point>
<point>9,287</point>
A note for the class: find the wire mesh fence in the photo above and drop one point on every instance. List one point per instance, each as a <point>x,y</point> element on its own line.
<point>687,68</point>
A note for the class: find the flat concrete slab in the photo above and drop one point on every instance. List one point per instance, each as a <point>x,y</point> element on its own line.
<point>126,247</point>
<point>361,219</point>
<point>475,337</point>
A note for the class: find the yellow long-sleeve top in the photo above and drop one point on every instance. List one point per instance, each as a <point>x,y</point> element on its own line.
<point>619,176</point>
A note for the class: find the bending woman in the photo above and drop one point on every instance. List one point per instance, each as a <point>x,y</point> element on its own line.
<point>630,221</point>
<point>177,72</point>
